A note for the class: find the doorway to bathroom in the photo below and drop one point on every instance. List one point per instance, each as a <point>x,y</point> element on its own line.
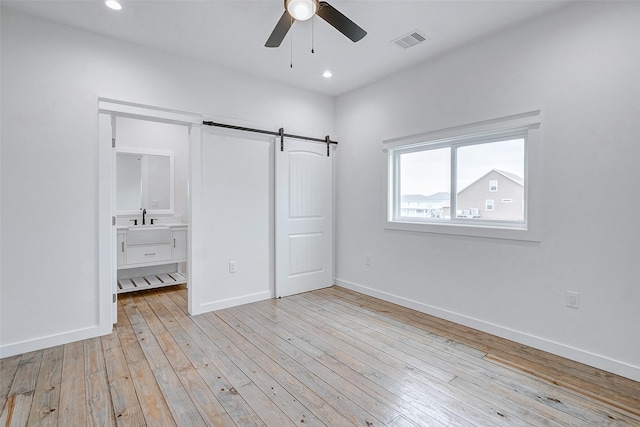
<point>144,204</point>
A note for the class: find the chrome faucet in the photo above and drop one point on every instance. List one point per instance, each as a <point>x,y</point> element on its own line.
<point>144,213</point>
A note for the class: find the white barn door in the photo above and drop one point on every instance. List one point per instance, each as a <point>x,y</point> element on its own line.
<point>304,236</point>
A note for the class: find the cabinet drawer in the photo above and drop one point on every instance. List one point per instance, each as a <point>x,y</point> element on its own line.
<point>144,254</point>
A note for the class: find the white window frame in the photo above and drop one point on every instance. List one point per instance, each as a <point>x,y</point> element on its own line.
<point>491,185</point>
<point>526,125</point>
<point>487,203</point>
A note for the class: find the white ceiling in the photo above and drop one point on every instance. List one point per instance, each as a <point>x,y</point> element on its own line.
<point>232,33</point>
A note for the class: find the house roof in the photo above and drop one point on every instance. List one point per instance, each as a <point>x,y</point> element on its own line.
<point>513,177</point>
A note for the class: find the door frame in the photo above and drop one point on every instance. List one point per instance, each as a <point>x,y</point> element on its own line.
<point>109,109</point>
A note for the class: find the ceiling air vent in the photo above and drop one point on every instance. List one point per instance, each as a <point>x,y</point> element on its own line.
<point>408,40</point>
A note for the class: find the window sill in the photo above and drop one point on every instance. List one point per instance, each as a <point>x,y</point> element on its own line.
<point>472,230</point>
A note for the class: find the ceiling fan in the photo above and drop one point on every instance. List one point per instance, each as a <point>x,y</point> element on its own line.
<point>301,10</point>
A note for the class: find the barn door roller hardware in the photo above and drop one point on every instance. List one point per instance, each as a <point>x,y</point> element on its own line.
<point>280,133</point>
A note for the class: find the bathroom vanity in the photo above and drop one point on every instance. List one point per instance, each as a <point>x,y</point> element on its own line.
<point>148,256</point>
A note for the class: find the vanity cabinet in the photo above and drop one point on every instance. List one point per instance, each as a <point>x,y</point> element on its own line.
<point>120,248</point>
<point>148,254</point>
<point>179,250</point>
<point>138,256</point>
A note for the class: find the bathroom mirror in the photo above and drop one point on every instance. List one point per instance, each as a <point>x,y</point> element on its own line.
<point>144,181</point>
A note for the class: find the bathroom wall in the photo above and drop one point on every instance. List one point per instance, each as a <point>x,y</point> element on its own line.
<point>134,134</point>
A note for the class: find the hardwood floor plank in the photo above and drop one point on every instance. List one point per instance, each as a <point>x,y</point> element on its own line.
<point>618,409</point>
<point>471,368</point>
<point>394,399</point>
<point>281,397</point>
<point>231,402</point>
<point>259,401</point>
<point>292,410</point>
<point>367,330</point>
<point>152,403</point>
<point>72,389</point>
<point>46,399</point>
<point>8,368</point>
<point>609,388</point>
<point>331,357</point>
<point>20,397</point>
<point>465,406</point>
<point>176,396</point>
<point>401,421</point>
<point>126,407</point>
<point>99,405</point>
<point>398,327</point>
<point>340,401</point>
<point>210,409</point>
<point>303,394</point>
<point>265,336</point>
<point>324,338</point>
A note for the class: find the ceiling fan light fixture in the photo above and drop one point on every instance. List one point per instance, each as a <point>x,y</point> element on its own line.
<point>301,10</point>
<point>113,4</point>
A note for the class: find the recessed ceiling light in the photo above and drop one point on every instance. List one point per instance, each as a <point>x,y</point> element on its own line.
<point>327,74</point>
<point>113,4</point>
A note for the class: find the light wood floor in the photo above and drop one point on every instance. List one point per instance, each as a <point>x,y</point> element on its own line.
<point>331,357</point>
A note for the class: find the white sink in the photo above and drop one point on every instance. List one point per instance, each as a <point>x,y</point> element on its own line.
<point>148,235</point>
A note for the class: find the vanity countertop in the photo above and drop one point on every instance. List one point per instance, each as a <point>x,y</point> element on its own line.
<point>170,225</point>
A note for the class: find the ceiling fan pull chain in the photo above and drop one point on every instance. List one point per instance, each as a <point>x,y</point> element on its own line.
<point>312,34</point>
<point>291,52</point>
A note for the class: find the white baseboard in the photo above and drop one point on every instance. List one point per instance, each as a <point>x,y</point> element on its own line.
<point>48,341</point>
<point>231,302</point>
<point>598,361</point>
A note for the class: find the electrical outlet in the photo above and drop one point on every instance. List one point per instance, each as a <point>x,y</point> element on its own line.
<point>367,260</point>
<point>232,267</point>
<point>572,299</point>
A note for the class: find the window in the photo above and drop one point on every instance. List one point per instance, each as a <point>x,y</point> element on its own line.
<point>447,173</point>
<point>429,174</point>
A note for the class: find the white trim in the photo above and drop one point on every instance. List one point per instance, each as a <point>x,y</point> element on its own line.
<point>106,231</point>
<point>467,229</point>
<point>50,341</point>
<point>232,302</point>
<point>529,119</point>
<point>147,112</point>
<point>194,248</point>
<point>601,362</point>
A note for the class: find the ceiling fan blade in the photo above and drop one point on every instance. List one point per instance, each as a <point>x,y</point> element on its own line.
<point>280,31</point>
<point>340,22</point>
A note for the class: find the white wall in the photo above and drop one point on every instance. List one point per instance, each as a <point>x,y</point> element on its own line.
<point>237,188</point>
<point>132,134</point>
<point>52,77</point>
<point>580,65</point>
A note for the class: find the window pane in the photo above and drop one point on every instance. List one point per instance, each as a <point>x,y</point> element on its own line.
<point>425,182</point>
<point>488,172</point>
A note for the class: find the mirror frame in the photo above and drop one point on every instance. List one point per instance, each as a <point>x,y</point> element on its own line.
<point>143,152</point>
